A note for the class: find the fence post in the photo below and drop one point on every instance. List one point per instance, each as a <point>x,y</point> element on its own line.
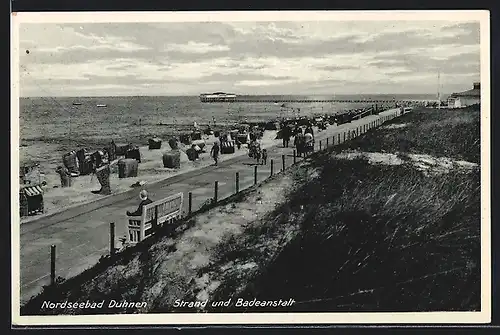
<point>237,182</point>
<point>272,166</point>
<point>255,175</point>
<point>155,222</point>
<point>294,156</point>
<point>112,238</point>
<point>190,203</point>
<point>52,264</point>
<point>283,162</point>
<point>216,191</point>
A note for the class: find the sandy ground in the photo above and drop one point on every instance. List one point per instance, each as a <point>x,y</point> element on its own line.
<point>197,248</point>
<point>150,170</point>
<point>395,126</point>
<point>428,164</point>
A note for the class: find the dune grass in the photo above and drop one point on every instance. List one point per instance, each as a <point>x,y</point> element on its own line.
<point>381,237</point>
<point>446,132</point>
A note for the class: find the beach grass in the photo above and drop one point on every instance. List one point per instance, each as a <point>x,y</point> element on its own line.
<point>381,238</point>
<point>384,237</point>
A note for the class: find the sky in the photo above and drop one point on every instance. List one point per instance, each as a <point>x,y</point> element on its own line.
<point>189,58</point>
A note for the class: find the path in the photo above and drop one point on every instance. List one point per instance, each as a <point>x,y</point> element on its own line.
<point>81,234</point>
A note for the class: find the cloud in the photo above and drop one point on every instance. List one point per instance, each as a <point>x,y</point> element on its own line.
<point>196,47</point>
<point>333,68</point>
<point>269,57</point>
<point>465,63</point>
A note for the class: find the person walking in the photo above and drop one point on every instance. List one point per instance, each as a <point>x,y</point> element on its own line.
<point>309,130</point>
<point>286,135</point>
<point>264,156</point>
<point>214,152</point>
<point>309,142</point>
<point>299,142</point>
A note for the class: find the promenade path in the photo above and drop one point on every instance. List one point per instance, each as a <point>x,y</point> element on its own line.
<point>81,234</point>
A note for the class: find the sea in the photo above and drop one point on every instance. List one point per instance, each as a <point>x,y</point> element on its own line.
<point>49,127</point>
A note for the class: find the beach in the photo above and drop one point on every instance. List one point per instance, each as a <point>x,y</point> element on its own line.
<point>150,170</point>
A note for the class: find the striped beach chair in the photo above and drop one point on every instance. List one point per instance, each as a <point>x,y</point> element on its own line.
<point>227,147</point>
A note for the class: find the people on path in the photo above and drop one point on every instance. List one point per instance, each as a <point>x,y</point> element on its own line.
<point>309,142</point>
<point>254,150</point>
<point>286,133</point>
<point>264,156</point>
<point>258,153</point>
<point>103,173</point>
<point>143,195</point>
<point>299,142</point>
<point>309,130</point>
<point>214,152</point>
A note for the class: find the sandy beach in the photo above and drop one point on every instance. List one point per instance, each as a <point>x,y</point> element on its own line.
<point>151,170</point>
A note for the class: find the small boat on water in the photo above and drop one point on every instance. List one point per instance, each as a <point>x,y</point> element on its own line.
<point>101,105</point>
<point>77,103</point>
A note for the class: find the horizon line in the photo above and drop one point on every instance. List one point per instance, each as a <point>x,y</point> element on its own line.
<point>241,95</point>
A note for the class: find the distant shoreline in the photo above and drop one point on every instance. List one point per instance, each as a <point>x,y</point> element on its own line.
<point>429,96</point>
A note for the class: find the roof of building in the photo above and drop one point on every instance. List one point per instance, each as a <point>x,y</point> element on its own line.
<point>470,93</point>
<point>475,92</point>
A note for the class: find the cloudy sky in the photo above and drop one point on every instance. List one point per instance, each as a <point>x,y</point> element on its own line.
<point>104,59</point>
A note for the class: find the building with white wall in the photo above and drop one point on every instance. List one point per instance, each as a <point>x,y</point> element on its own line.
<point>467,98</point>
